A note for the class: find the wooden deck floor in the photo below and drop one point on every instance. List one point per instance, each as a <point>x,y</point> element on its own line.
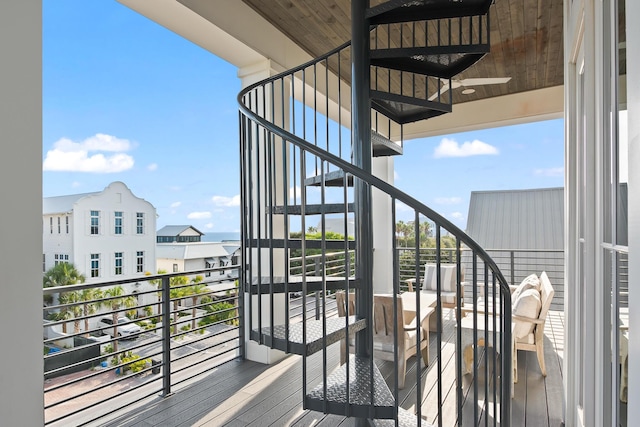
<point>244,393</point>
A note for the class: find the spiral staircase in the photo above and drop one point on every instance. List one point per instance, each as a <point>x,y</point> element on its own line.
<point>307,138</point>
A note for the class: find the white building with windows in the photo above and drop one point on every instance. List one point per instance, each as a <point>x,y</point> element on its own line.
<point>107,235</point>
<point>179,248</point>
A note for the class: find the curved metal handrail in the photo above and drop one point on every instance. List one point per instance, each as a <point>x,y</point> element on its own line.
<point>376,182</point>
<point>249,99</point>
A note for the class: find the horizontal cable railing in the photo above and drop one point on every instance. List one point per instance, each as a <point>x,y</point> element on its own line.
<point>109,345</point>
<point>515,264</point>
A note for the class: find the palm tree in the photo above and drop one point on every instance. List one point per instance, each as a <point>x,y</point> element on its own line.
<point>158,285</point>
<point>90,304</point>
<point>74,310</point>
<point>425,230</point>
<point>61,274</point>
<point>195,290</point>
<point>176,294</point>
<point>63,314</point>
<point>120,299</point>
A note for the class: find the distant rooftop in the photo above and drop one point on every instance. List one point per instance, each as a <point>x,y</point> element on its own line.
<point>179,234</point>
<point>62,204</point>
<point>176,230</point>
<point>517,219</point>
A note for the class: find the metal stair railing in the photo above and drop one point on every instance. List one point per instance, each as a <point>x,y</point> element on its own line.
<point>292,127</point>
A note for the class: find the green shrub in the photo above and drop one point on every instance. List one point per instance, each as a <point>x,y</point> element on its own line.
<point>219,311</point>
<point>133,362</point>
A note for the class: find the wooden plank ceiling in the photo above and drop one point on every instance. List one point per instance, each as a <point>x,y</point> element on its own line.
<point>526,39</point>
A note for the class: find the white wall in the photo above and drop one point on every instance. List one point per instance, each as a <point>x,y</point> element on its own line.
<point>21,396</point>
<point>116,197</point>
<point>57,243</point>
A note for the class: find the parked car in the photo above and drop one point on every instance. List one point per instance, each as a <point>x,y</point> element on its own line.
<point>125,329</point>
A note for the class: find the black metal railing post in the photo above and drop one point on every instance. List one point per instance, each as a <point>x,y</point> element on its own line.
<point>513,268</point>
<point>361,146</point>
<point>166,337</point>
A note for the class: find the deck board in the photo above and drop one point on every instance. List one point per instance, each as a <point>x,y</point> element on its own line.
<point>243,393</point>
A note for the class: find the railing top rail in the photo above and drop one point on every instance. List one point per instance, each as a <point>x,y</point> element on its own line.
<point>82,286</point>
<point>465,249</point>
<point>291,71</point>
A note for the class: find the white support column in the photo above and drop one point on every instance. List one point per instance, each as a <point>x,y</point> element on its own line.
<point>633,111</point>
<point>21,363</point>
<point>383,229</point>
<point>263,258</point>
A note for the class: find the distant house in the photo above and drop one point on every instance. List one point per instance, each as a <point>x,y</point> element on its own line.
<point>107,235</point>
<point>178,234</point>
<point>179,249</point>
<point>524,225</point>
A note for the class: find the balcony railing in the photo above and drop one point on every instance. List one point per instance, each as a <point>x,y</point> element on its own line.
<point>175,329</point>
<point>515,264</point>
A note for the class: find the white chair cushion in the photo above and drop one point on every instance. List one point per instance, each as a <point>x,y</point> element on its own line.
<point>532,281</point>
<point>447,297</point>
<point>527,305</point>
<point>447,275</point>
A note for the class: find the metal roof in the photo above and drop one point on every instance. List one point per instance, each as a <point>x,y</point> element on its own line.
<point>62,204</point>
<point>191,250</point>
<point>175,230</point>
<point>517,219</point>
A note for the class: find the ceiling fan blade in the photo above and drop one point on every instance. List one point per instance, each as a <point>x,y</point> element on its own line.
<point>484,81</point>
<point>442,90</point>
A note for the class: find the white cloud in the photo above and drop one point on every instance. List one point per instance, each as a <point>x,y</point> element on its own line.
<point>199,215</point>
<point>70,156</point>
<point>448,200</point>
<point>550,172</point>
<point>401,207</point>
<point>226,201</point>
<point>451,148</point>
<point>75,184</point>
<point>175,204</point>
<point>98,142</point>
<point>151,167</point>
<point>209,225</point>
<point>396,177</point>
<point>457,215</point>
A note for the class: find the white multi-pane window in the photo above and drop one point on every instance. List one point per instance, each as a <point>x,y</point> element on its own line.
<point>59,258</point>
<point>44,263</point>
<point>66,220</point>
<point>51,224</point>
<point>58,225</point>
<point>118,263</point>
<point>140,262</point>
<point>118,223</point>
<point>95,265</point>
<point>139,222</point>
<point>95,222</point>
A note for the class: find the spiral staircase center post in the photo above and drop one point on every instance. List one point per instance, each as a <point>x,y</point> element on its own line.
<point>361,137</point>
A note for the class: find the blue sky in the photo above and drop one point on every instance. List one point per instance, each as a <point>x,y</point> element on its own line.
<point>125,99</point>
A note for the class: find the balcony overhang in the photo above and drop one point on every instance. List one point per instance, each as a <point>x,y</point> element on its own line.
<point>227,28</point>
<point>235,32</point>
<point>517,108</point>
